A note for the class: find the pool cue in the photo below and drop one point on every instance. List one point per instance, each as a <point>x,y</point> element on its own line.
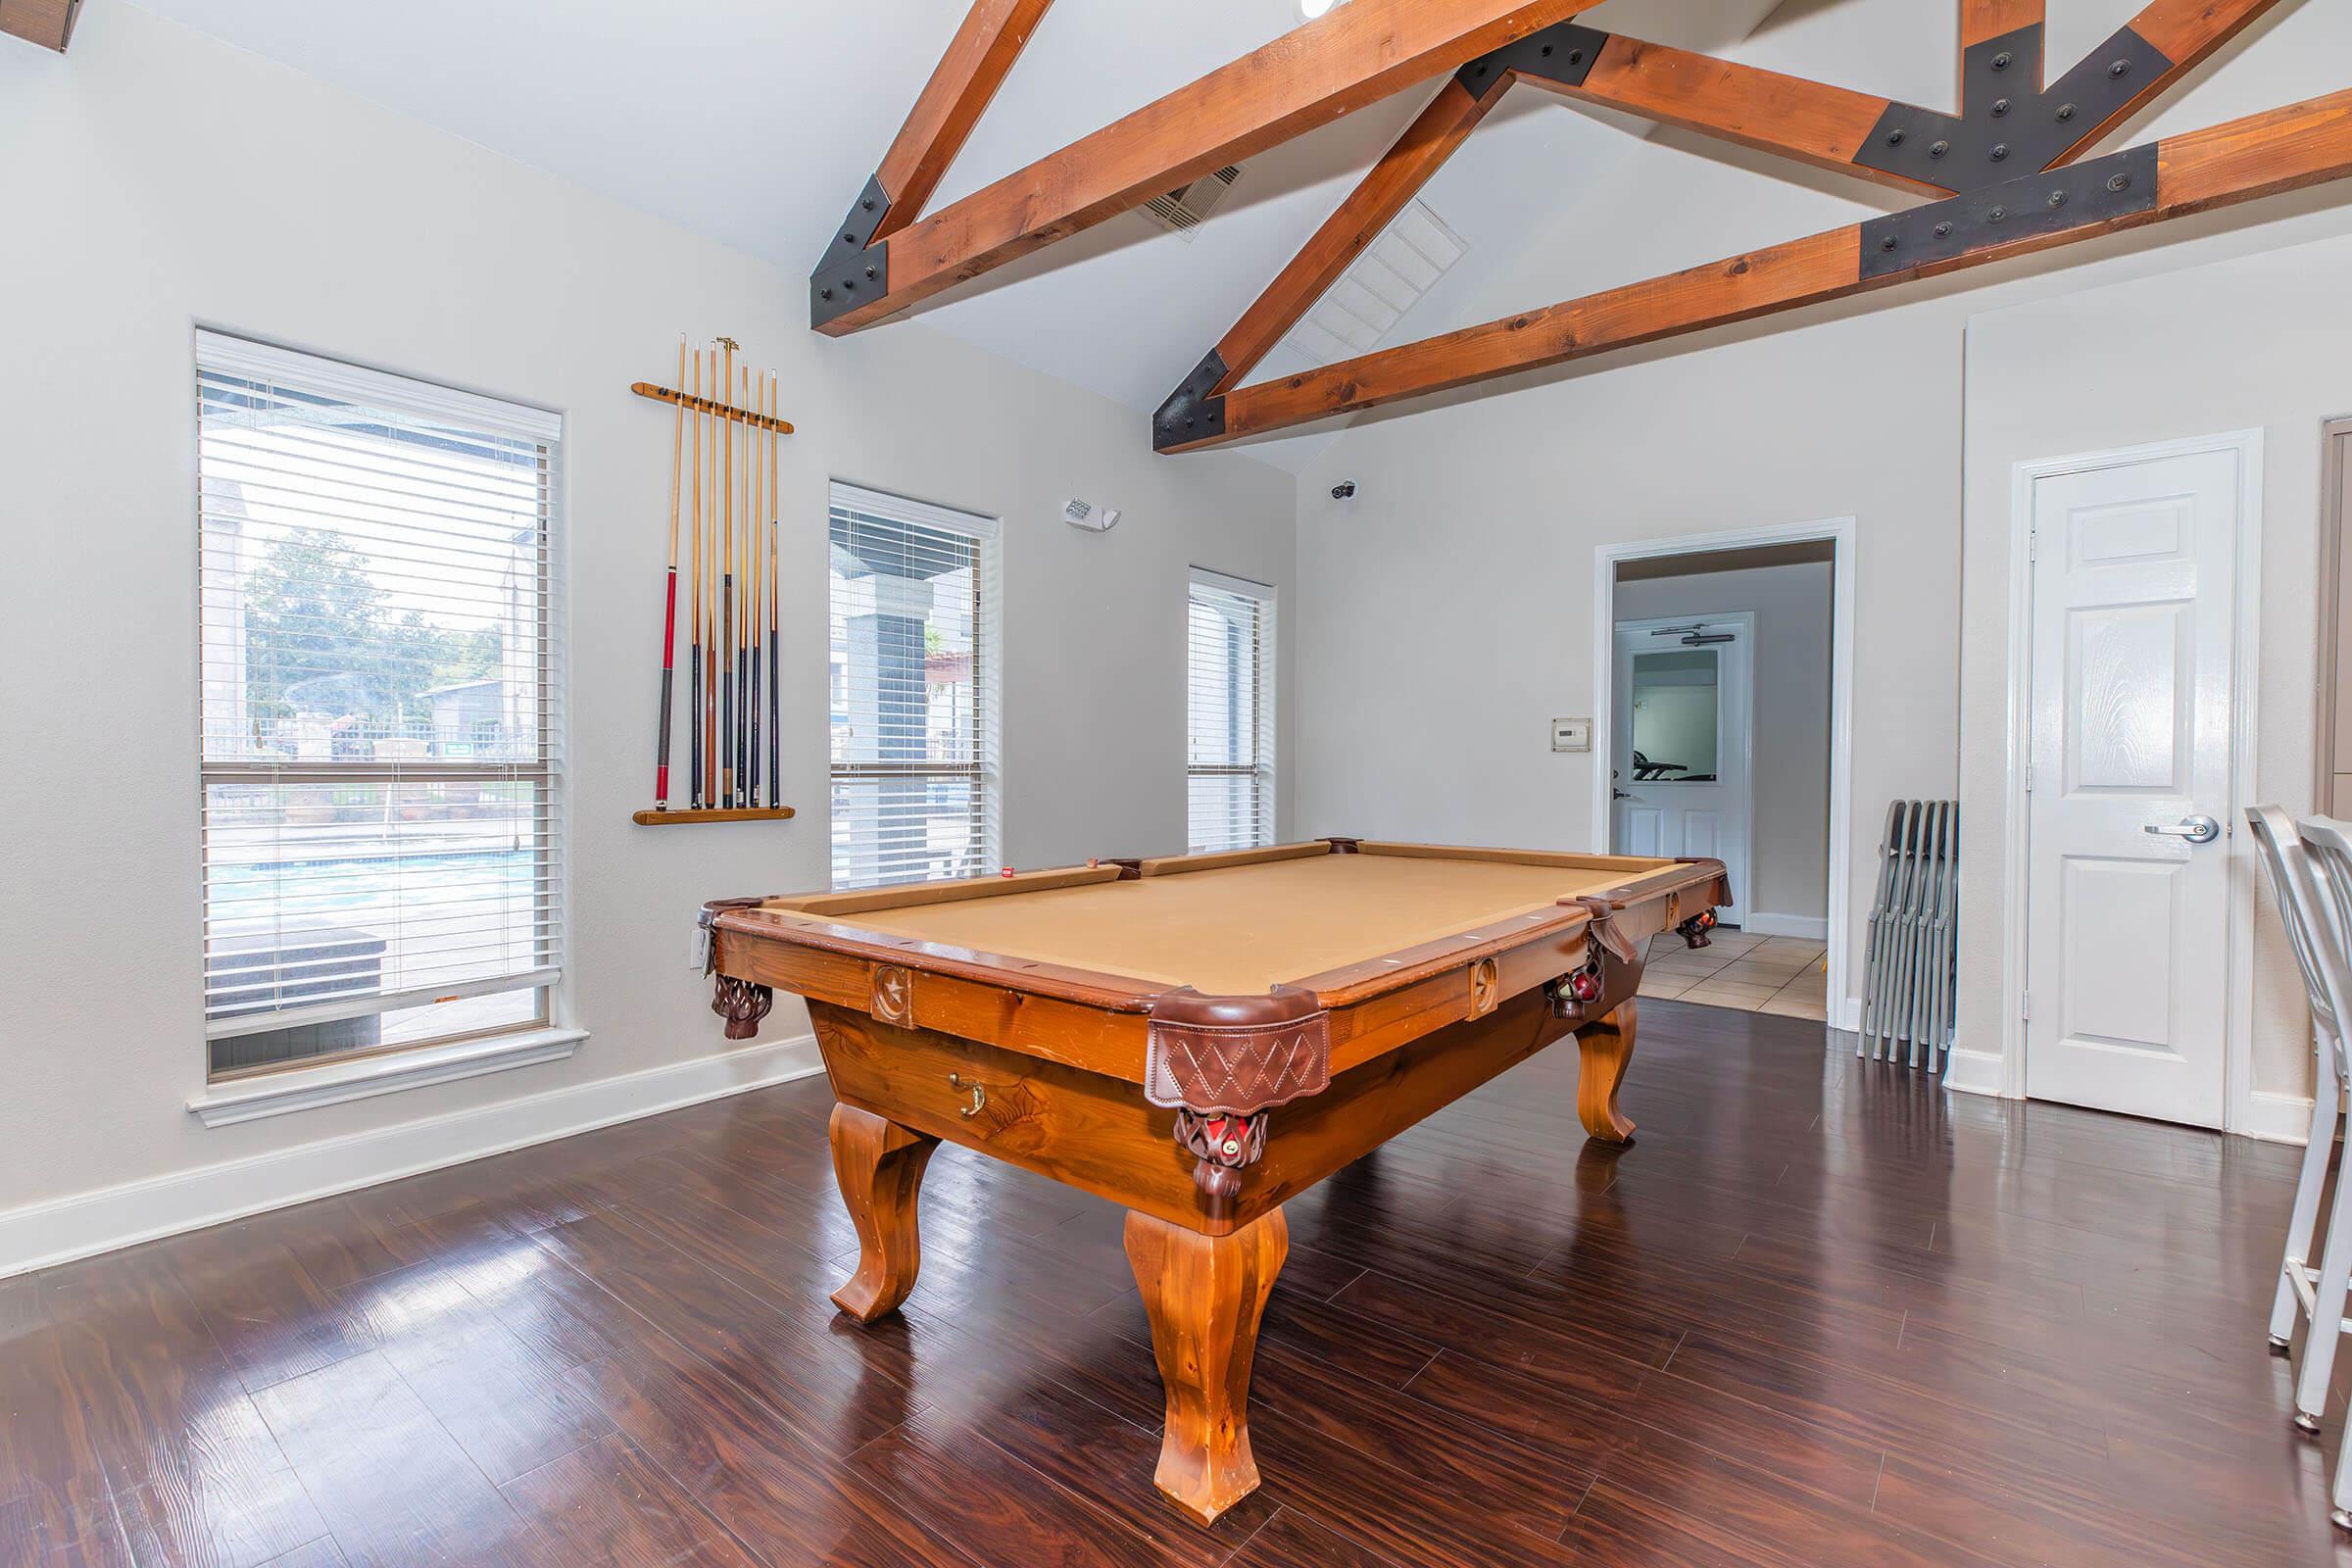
<point>728,716</point>
<point>774,600</point>
<point>669,597</point>
<point>775,757</point>
<point>743,623</point>
<point>711,608</point>
<point>694,667</point>
<point>758,588</point>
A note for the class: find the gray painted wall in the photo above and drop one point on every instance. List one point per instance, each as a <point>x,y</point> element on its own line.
<point>174,181</point>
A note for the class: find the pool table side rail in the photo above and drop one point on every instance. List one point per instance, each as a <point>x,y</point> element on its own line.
<point>1100,1021</point>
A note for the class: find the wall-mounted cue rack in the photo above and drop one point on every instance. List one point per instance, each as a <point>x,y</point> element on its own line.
<point>734,742</point>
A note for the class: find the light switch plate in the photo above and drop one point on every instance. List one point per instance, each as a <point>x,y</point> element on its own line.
<point>1571,734</point>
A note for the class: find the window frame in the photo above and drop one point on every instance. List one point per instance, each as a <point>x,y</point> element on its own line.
<point>982,775</point>
<point>224,355</point>
<point>1261,768</point>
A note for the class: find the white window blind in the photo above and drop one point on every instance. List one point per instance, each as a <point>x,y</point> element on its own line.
<point>1229,728</point>
<point>915,690</point>
<point>380,726</point>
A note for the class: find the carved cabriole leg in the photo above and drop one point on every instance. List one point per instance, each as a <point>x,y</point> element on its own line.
<point>1605,1047</point>
<point>879,1166</point>
<point>1205,1294</point>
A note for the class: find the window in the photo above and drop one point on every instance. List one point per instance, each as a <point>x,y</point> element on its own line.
<point>380,737</point>
<point>914,690</point>
<point>1229,728</point>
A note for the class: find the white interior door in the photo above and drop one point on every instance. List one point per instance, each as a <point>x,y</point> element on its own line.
<point>1679,754</point>
<point>2127,904</point>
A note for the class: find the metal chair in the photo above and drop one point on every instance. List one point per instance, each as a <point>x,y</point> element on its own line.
<point>2311,871</point>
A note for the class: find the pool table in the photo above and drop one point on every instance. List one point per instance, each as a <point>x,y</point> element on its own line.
<point>1196,1039</point>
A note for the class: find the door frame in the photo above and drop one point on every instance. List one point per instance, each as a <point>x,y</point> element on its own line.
<point>2237,1113</point>
<point>1745,622</point>
<point>1846,1009</point>
<point>2336,463</point>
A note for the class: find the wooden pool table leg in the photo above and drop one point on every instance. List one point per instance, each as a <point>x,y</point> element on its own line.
<point>1205,1294</point>
<point>1605,1047</point>
<point>879,1166</point>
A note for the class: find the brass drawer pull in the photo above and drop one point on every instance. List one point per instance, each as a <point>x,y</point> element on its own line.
<point>979,1094</point>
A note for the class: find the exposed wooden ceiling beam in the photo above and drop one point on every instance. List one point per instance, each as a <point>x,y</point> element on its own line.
<point>2260,154</point>
<point>1809,122</point>
<point>1982,21</point>
<point>1400,172</point>
<point>47,23</point>
<point>2182,33</point>
<point>978,59</point>
<point>1352,56</point>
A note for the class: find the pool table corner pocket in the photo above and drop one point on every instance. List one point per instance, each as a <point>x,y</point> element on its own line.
<point>1223,1063</point>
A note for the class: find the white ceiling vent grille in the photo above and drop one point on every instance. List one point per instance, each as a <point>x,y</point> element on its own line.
<point>1379,286</point>
<point>1185,207</point>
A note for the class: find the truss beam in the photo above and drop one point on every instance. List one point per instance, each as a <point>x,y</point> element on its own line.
<point>2261,155</point>
<point>1352,56</point>
<point>47,23</point>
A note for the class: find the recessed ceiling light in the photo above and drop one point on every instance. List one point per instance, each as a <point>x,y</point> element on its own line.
<point>1313,9</point>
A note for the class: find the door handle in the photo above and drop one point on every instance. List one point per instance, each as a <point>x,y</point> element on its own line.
<point>1616,794</point>
<point>2198,829</point>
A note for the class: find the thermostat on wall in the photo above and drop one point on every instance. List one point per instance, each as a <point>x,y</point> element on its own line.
<point>1571,734</point>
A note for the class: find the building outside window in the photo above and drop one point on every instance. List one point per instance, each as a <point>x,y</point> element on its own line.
<point>1229,721</point>
<point>914,661</point>
<point>381,745</point>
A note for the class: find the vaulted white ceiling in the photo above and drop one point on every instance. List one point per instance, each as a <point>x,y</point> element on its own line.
<point>756,123</point>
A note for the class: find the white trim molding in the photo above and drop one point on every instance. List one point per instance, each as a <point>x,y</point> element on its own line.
<point>63,1229</point>
<point>1973,1072</point>
<point>1840,532</point>
<point>2278,1118</point>
<point>275,1094</point>
<point>2239,1110</point>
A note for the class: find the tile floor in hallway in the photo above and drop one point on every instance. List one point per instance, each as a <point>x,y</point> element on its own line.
<point>1784,975</point>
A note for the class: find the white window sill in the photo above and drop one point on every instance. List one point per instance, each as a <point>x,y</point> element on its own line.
<point>305,1087</point>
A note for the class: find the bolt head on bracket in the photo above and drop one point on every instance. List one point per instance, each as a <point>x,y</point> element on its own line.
<point>1563,52</point>
<point>2079,195</point>
<point>853,268</point>
<point>2005,123</point>
<point>1189,414</point>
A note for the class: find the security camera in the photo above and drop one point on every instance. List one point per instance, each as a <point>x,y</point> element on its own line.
<point>1345,490</point>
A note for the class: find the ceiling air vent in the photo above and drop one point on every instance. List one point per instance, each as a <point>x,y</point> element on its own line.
<point>1185,207</point>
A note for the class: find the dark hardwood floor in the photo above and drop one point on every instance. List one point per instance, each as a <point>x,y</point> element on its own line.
<point>1817,1314</point>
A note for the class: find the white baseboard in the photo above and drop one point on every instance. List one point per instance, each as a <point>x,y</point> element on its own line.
<point>1974,1072</point>
<point>1849,1017</point>
<point>63,1229</point>
<point>1764,923</point>
<point>2278,1118</point>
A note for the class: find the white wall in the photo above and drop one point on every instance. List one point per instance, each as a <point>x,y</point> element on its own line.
<point>1788,839</point>
<point>1444,605</point>
<point>156,180</point>
<point>2261,341</point>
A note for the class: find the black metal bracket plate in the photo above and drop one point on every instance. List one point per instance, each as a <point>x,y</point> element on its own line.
<point>1562,52</point>
<point>2053,202</point>
<point>855,268</point>
<point>1189,414</point>
<point>2007,124</point>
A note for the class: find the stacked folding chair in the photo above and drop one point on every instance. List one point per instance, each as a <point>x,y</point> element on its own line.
<point>1908,983</point>
<point>2311,871</point>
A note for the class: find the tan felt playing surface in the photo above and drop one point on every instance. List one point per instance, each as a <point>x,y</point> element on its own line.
<point>1247,928</point>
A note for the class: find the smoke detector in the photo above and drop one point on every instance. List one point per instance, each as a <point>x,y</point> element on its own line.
<point>1086,514</point>
<point>1187,205</point>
